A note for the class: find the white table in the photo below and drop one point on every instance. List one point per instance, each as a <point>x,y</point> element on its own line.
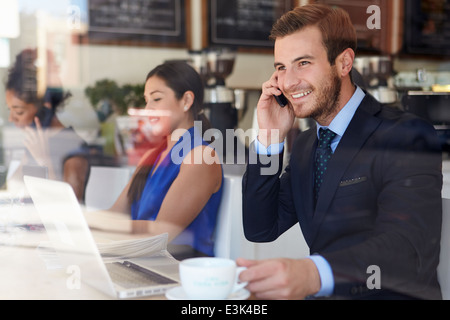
<point>26,275</point>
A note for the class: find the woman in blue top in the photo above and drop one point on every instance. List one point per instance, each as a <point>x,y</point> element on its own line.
<point>174,190</point>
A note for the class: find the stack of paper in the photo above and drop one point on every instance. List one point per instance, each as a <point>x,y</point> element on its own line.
<point>136,248</point>
<point>114,250</point>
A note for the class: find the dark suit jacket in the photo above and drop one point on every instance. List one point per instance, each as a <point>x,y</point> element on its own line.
<point>380,203</point>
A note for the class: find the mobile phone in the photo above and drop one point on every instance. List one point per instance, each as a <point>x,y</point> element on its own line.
<point>282,100</point>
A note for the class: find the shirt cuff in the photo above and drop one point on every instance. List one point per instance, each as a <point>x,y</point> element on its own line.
<point>326,276</point>
<point>261,149</point>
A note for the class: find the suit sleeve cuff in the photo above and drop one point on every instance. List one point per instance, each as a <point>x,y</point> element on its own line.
<point>326,276</point>
<point>270,150</point>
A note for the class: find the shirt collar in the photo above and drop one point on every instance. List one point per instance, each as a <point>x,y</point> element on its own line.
<point>342,120</point>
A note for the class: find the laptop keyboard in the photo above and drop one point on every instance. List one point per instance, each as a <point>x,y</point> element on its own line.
<point>129,275</point>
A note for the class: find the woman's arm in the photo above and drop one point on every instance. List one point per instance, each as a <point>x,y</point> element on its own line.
<point>187,196</point>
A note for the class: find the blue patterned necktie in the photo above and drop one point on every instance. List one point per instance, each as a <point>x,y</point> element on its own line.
<point>323,156</point>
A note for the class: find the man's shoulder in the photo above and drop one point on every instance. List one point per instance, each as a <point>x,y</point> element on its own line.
<point>394,115</point>
<point>401,128</point>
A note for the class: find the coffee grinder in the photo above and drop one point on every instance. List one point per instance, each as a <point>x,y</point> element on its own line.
<point>219,100</point>
<point>378,77</point>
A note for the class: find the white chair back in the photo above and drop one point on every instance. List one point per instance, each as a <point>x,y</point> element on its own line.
<point>222,245</point>
<point>230,241</point>
<point>104,186</point>
<point>444,263</point>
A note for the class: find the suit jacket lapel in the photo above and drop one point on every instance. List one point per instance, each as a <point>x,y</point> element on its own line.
<point>359,130</point>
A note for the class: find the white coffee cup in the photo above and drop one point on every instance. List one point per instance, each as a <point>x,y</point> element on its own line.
<point>210,278</point>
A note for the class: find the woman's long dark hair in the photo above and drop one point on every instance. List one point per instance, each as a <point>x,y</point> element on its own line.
<point>180,77</point>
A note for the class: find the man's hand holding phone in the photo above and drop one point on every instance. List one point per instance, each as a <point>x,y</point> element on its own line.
<point>274,120</point>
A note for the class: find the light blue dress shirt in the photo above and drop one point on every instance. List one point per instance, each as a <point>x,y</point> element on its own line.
<point>339,126</point>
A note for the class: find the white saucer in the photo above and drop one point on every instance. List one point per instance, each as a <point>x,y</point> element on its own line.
<point>178,293</point>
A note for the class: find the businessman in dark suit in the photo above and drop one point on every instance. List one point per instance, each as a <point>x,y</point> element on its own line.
<point>367,193</point>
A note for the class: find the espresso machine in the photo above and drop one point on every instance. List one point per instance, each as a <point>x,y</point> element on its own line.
<point>215,65</point>
<point>377,75</point>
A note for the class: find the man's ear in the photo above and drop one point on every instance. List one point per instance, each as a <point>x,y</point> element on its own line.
<point>345,62</point>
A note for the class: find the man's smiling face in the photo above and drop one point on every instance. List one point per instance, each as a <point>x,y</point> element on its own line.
<point>305,75</point>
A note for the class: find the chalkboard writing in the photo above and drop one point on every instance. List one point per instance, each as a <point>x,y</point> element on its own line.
<point>244,23</point>
<point>427,27</point>
<point>138,20</point>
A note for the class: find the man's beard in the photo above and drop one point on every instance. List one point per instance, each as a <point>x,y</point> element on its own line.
<point>328,98</point>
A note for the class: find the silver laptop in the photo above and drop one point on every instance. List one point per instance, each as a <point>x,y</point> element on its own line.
<point>69,233</point>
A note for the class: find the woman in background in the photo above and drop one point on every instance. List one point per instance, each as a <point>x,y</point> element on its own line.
<point>49,144</point>
<point>174,191</point>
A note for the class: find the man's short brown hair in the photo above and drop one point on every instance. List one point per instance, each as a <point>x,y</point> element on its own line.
<point>338,32</point>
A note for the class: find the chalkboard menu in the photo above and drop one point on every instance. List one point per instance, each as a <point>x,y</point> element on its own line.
<point>244,23</point>
<point>145,21</point>
<point>427,29</point>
